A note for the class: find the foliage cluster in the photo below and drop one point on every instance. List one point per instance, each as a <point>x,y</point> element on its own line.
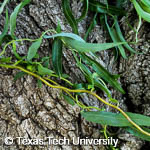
<point>97,77</point>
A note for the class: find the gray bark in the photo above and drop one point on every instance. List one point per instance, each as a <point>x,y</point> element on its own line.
<point>31,112</point>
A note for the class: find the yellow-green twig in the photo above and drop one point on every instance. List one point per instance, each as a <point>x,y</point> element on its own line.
<point>77,91</point>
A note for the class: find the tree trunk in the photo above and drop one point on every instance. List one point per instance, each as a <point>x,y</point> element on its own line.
<point>36,113</point>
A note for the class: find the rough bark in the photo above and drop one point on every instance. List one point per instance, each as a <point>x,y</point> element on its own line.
<point>31,112</point>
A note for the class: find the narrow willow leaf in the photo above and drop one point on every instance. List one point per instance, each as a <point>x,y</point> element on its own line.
<point>39,82</point>
<point>120,3</point>
<point>57,56</point>
<point>85,10</point>
<point>102,8</point>
<point>44,71</point>
<point>69,35</point>
<point>89,47</point>
<point>113,100</point>
<point>94,81</point>
<point>141,12</point>
<point>5,28</point>
<point>33,49</point>
<point>5,59</point>
<point>69,16</point>
<point>146,2</point>
<point>117,27</point>
<point>19,75</point>
<point>138,134</point>
<point>104,74</point>
<point>69,100</point>
<point>14,16</point>
<point>3,5</point>
<point>58,28</point>
<point>14,51</point>
<point>116,76</point>
<point>99,85</point>
<point>79,44</point>
<point>144,7</point>
<point>115,119</point>
<point>115,39</point>
<point>46,62</point>
<point>92,25</point>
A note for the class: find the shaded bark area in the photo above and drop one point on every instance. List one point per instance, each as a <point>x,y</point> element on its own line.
<point>31,112</point>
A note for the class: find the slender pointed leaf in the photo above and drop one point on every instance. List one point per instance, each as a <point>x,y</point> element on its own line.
<point>19,75</point>
<point>44,71</point>
<point>141,12</point>
<point>5,59</point>
<point>5,28</point>
<point>85,10</point>
<point>138,134</point>
<point>40,83</point>
<point>69,100</point>
<point>69,35</point>
<point>90,47</point>
<point>103,73</point>
<point>57,56</point>
<point>14,16</point>
<point>102,8</point>
<point>115,119</point>
<point>146,2</point>
<point>115,39</point>
<point>92,25</point>
<point>33,49</point>
<point>3,5</point>
<point>14,51</point>
<point>69,16</point>
<point>117,27</point>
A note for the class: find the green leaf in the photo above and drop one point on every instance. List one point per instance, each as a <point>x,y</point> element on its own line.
<point>146,3</point>
<point>69,35</point>
<point>103,73</point>
<point>44,71</point>
<point>14,51</point>
<point>13,16</point>
<point>120,3</point>
<point>92,25</point>
<point>141,12</point>
<point>80,45</point>
<point>81,86</point>
<point>115,119</point>
<point>69,16</point>
<point>5,59</point>
<point>3,5</point>
<point>114,37</point>
<point>102,8</point>
<point>113,100</point>
<point>89,47</point>
<point>33,49</point>
<point>98,84</point>
<point>94,81</point>
<point>5,28</point>
<point>85,10</point>
<point>19,75</point>
<point>117,27</point>
<point>69,100</point>
<point>46,62</point>
<point>138,134</point>
<point>57,56</point>
<point>144,7</point>
<point>58,28</point>
<point>39,83</point>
